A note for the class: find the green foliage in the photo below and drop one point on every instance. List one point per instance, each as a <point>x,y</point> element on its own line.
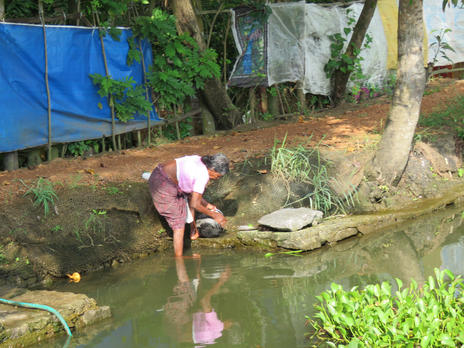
<point>185,129</point>
<point>80,147</point>
<point>20,8</point>
<point>126,98</point>
<point>451,118</point>
<point>339,60</point>
<point>43,194</point>
<point>440,46</point>
<point>95,223</point>
<point>57,228</point>
<point>113,190</point>
<point>452,2</point>
<point>412,317</point>
<point>301,164</point>
<point>179,66</point>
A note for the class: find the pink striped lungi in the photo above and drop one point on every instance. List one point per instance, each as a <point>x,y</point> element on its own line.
<point>168,199</point>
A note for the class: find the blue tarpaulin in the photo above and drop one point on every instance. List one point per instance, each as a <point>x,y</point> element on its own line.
<point>77,111</point>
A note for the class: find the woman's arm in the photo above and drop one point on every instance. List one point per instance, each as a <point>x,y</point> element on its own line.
<point>197,202</point>
<point>207,205</point>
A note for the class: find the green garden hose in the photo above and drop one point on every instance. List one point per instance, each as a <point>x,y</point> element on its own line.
<point>39,306</point>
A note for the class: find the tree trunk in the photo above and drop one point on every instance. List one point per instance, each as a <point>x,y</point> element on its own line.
<point>393,152</point>
<point>214,94</point>
<point>340,78</point>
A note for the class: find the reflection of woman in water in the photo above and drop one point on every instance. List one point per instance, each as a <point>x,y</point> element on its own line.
<point>204,325</point>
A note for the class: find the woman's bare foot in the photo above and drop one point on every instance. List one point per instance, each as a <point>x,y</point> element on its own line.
<point>195,235</point>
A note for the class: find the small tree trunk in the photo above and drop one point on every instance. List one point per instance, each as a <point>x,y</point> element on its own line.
<point>214,94</point>
<point>393,152</point>
<point>264,105</point>
<point>340,78</point>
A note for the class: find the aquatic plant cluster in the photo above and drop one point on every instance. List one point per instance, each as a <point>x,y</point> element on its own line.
<point>428,316</point>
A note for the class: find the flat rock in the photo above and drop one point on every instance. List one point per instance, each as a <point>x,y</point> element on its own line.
<point>21,326</point>
<point>291,219</point>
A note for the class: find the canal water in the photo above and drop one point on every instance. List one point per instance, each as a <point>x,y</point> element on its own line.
<point>245,299</point>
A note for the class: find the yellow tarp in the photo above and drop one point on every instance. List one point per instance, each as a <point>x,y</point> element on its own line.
<point>388,10</point>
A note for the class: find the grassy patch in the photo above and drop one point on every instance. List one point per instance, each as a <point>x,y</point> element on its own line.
<point>305,165</point>
<point>42,194</point>
<point>452,118</point>
<point>432,316</point>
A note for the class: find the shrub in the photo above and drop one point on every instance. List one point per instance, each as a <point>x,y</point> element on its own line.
<point>432,316</point>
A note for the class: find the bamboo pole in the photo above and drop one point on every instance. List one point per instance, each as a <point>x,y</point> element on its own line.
<point>177,123</point>
<point>225,51</point>
<point>212,24</point>
<point>110,97</point>
<point>146,91</point>
<point>78,14</point>
<point>41,14</point>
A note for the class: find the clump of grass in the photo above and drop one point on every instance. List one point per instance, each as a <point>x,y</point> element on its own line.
<point>305,165</point>
<point>450,118</point>
<point>413,317</point>
<point>42,194</point>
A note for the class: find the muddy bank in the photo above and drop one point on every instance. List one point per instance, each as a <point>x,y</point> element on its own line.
<point>94,226</point>
<point>90,227</point>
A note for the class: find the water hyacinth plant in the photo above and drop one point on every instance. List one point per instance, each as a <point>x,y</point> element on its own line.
<point>431,316</point>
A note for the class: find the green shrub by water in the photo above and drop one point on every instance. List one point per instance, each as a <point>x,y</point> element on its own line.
<point>432,316</point>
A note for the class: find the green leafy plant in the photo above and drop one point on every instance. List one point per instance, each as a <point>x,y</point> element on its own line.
<point>339,60</point>
<point>440,46</point>
<point>57,228</point>
<point>185,129</point>
<point>125,95</point>
<point>94,227</point>
<point>179,66</point>
<point>432,316</point>
<point>80,147</point>
<point>42,193</point>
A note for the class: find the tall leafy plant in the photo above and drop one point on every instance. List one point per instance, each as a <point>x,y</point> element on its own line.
<point>128,97</point>
<point>179,66</point>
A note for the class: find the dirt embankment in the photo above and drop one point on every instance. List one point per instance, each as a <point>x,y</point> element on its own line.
<point>103,214</point>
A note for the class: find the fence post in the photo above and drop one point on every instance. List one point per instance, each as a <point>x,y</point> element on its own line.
<point>146,92</point>
<point>10,161</point>
<point>49,157</point>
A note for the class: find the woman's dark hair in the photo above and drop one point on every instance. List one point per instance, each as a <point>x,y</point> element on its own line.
<point>218,162</point>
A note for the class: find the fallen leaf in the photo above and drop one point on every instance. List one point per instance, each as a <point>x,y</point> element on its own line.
<point>262,171</point>
<point>216,147</point>
<point>6,183</point>
<point>75,277</point>
<point>90,171</point>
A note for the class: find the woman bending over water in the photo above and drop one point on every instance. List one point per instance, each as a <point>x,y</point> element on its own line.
<point>177,188</point>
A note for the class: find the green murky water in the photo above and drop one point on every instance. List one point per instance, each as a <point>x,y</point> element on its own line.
<point>251,300</point>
